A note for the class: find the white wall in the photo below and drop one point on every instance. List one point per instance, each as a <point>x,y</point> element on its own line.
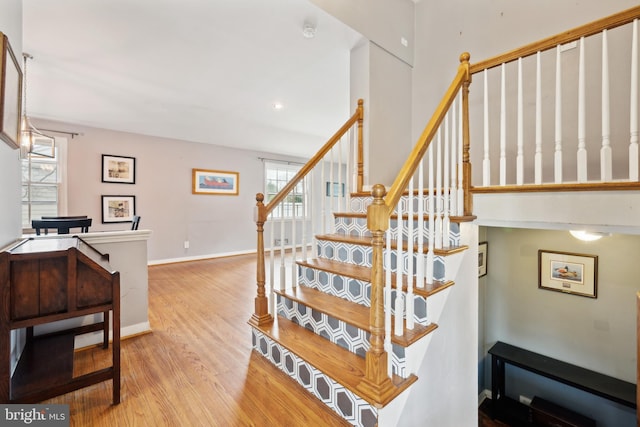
<point>11,26</point>
<point>213,225</point>
<point>598,334</point>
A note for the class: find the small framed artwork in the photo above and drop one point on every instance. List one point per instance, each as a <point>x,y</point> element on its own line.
<point>10,95</point>
<point>483,248</point>
<point>119,169</point>
<point>118,208</point>
<point>205,181</point>
<point>568,272</point>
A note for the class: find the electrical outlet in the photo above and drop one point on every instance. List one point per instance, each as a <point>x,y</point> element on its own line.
<point>186,244</point>
<point>525,400</point>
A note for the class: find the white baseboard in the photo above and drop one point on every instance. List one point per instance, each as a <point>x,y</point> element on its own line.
<point>199,257</point>
<point>484,394</point>
<point>87,340</point>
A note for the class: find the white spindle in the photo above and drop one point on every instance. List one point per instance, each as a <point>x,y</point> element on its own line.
<point>323,199</point>
<point>460,151</point>
<point>409,255</point>
<point>557,165</point>
<point>399,305</point>
<point>582,123</point>
<point>332,190</point>
<point>340,183</point>
<point>446,229</point>
<point>283,271</point>
<point>387,299</point>
<point>294,225</point>
<point>538,153</point>
<point>520,128</point>
<point>633,93</point>
<point>486,162</point>
<point>420,258</point>
<point>453,192</point>
<point>503,126</point>
<point>431,227</point>
<point>312,212</point>
<point>605,151</point>
<point>304,219</point>
<point>438,194</point>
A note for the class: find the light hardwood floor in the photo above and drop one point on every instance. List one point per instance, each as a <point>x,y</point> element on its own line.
<point>196,368</point>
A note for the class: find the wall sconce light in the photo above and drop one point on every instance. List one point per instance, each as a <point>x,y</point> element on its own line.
<point>32,141</point>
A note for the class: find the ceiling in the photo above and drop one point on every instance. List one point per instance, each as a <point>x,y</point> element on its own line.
<point>206,71</point>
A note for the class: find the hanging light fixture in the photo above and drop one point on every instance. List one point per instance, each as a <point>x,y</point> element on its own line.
<point>32,141</point>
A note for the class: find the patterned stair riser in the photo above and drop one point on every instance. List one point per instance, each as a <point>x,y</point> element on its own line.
<point>338,332</point>
<point>354,290</point>
<point>351,226</point>
<point>341,400</point>
<point>362,255</point>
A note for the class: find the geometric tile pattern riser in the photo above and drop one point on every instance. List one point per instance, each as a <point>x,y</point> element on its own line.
<point>337,331</point>
<point>360,204</point>
<point>341,400</point>
<point>353,290</point>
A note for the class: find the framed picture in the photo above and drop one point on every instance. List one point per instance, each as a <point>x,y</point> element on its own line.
<point>568,272</point>
<point>337,190</point>
<point>10,95</point>
<point>482,258</point>
<point>206,181</point>
<point>118,169</point>
<point>118,208</point>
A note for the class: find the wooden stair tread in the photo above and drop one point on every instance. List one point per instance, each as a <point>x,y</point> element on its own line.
<point>366,241</point>
<point>351,313</point>
<point>337,363</point>
<point>452,218</point>
<point>362,273</point>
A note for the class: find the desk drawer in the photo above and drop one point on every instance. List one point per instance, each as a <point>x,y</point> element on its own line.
<point>548,414</point>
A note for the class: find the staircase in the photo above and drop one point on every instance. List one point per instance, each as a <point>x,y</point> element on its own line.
<point>321,333</point>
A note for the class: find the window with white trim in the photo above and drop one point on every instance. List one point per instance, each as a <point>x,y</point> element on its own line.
<point>43,190</point>
<point>277,175</point>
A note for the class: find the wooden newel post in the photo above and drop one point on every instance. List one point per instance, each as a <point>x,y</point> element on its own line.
<point>261,314</point>
<point>466,164</point>
<point>376,379</point>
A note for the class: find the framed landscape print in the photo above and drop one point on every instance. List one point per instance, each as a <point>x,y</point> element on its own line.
<point>118,208</point>
<point>205,181</point>
<point>119,169</point>
<point>568,272</point>
<point>10,95</point>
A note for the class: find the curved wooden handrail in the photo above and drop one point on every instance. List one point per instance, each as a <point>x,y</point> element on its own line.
<point>355,118</point>
<point>402,180</point>
<point>574,34</point>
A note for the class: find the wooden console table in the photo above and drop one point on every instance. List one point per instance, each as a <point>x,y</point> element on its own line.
<point>43,281</point>
<point>614,389</point>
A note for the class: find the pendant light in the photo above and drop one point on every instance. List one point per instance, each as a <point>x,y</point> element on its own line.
<point>32,141</point>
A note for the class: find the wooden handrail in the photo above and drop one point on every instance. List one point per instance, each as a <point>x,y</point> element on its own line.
<point>586,30</point>
<point>402,180</point>
<point>355,118</point>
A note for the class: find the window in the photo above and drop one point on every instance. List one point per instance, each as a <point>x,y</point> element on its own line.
<point>277,175</point>
<point>42,189</point>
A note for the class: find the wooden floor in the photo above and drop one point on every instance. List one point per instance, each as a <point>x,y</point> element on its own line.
<point>197,367</point>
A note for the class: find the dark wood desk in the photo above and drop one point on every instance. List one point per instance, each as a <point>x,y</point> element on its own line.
<point>614,389</point>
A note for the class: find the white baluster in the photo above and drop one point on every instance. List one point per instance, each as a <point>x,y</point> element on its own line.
<point>312,212</point>
<point>633,93</point>
<point>453,189</point>
<point>387,299</point>
<point>446,228</point>
<point>538,154</point>
<point>460,169</point>
<point>582,123</point>
<point>503,126</point>
<point>486,162</point>
<point>557,169</point>
<point>399,305</point>
<point>438,200</point>
<point>340,183</point>
<point>605,152</point>
<point>410,275</point>
<point>520,127</point>
<point>332,191</point>
<point>420,258</point>
<point>304,218</point>
<point>283,271</point>
<point>294,225</point>
<point>431,226</point>
<point>323,199</point>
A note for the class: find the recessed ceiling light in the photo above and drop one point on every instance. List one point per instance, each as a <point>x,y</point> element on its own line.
<point>308,30</point>
<point>278,106</point>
